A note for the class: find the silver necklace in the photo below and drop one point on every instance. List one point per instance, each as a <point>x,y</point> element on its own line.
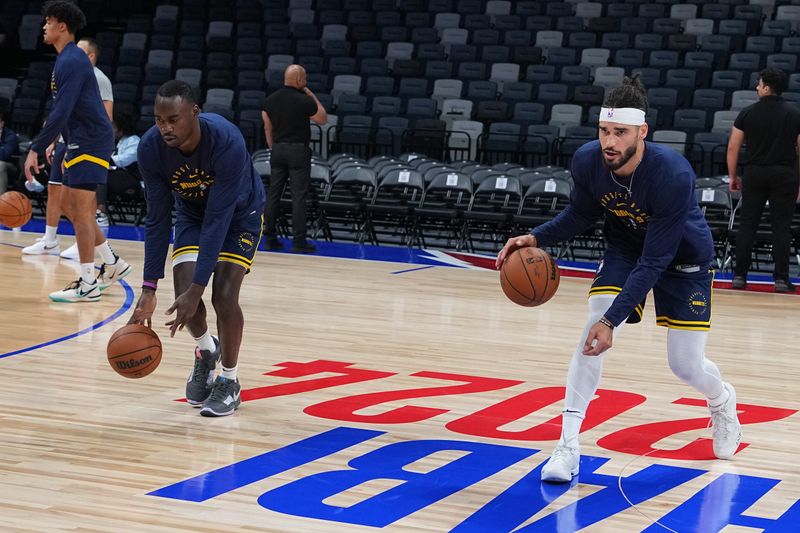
<point>630,184</point>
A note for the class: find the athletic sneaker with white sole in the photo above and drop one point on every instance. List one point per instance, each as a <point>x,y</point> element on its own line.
<point>725,427</point>
<point>563,465</point>
<point>224,399</point>
<point>77,291</point>
<point>42,247</point>
<point>112,272</point>
<point>201,380</point>
<point>71,252</point>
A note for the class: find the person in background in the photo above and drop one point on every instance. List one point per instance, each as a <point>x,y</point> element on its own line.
<point>48,244</point>
<point>285,115</point>
<point>771,130</point>
<point>79,115</point>
<point>9,144</point>
<point>123,174</point>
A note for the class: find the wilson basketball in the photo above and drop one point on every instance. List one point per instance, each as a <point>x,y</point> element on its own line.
<point>529,276</point>
<point>15,209</point>
<point>134,351</point>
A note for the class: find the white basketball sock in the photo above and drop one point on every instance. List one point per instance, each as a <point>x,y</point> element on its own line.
<point>205,342</point>
<point>87,273</point>
<point>106,253</point>
<point>50,233</point>
<point>229,373</point>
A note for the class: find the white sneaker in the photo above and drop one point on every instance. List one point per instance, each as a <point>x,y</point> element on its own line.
<point>71,252</point>
<point>77,291</point>
<point>102,219</point>
<point>42,247</point>
<point>563,465</point>
<point>726,429</point>
<point>112,272</point>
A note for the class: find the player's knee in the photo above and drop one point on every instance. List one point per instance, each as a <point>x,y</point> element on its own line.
<point>223,302</point>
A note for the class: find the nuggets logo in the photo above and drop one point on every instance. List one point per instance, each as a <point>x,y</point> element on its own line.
<point>191,183</point>
<point>698,303</point>
<point>617,203</point>
<point>246,241</point>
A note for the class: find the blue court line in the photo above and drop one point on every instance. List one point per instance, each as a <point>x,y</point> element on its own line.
<point>412,269</point>
<point>127,304</point>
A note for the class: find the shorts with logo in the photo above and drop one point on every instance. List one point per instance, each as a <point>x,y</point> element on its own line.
<point>682,293</point>
<point>56,177</point>
<point>239,246</point>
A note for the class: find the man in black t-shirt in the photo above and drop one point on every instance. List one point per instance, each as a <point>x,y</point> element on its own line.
<point>771,130</point>
<point>286,114</point>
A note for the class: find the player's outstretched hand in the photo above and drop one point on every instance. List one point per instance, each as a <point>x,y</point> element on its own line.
<point>598,340</point>
<point>512,244</point>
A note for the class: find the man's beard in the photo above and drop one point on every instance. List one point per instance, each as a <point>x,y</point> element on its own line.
<point>624,158</point>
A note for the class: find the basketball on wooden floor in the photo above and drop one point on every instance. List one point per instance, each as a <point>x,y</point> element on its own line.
<point>15,209</point>
<point>529,276</point>
<point>134,351</point>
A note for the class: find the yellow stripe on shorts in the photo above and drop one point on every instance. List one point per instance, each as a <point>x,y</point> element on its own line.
<point>86,157</point>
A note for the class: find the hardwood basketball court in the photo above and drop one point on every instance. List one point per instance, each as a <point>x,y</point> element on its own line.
<point>438,389</point>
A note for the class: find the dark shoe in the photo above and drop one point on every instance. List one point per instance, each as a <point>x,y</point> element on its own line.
<point>739,282</point>
<point>274,245</point>
<point>304,247</point>
<point>201,380</point>
<point>225,398</point>
<point>784,285</point>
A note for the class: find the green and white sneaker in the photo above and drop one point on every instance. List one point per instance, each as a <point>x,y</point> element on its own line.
<point>77,291</point>
<point>112,272</point>
<point>224,399</point>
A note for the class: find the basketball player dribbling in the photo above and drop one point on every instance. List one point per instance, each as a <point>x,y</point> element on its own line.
<point>199,162</point>
<point>657,238</point>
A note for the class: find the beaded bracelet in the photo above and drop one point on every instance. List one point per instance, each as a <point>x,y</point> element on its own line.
<point>606,322</point>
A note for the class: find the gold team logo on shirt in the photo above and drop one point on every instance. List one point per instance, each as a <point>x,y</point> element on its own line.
<point>619,205</point>
<point>191,183</point>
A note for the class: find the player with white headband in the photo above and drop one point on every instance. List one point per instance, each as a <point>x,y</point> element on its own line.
<point>656,238</point>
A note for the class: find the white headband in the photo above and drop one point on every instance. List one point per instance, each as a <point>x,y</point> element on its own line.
<point>622,115</point>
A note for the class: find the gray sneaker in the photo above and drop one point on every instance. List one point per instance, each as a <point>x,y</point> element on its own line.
<point>201,380</point>
<point>224,399</point>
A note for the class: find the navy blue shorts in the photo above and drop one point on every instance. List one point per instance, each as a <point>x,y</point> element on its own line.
<point>682,293</point>
<point>56,177</point>
<point>239,246</point>
<point>85,171</point>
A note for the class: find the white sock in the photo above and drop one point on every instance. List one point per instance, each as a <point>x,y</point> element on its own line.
<point>721,399</point>
<point>50,233</point>
<point>106,253</point>
<point>229,373</point>
<point>570,427</point>
<point>205,342</point>
<point>87,273</point>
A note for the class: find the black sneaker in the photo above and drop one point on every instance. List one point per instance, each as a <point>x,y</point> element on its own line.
<point>274,245</point>
<point>784,285</point>
<point>201,380</point>
<point>224,399</point>
<point>739,282</point>
<point>303,247</point>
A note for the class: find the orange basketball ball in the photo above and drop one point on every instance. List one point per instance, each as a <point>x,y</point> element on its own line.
<point>529,276</point>
<point>134,351</point>
<point>15,209</point>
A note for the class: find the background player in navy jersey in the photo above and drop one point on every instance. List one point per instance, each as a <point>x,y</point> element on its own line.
<point>78,113</point>
<point>199,162</point>
<point>656,239</point>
